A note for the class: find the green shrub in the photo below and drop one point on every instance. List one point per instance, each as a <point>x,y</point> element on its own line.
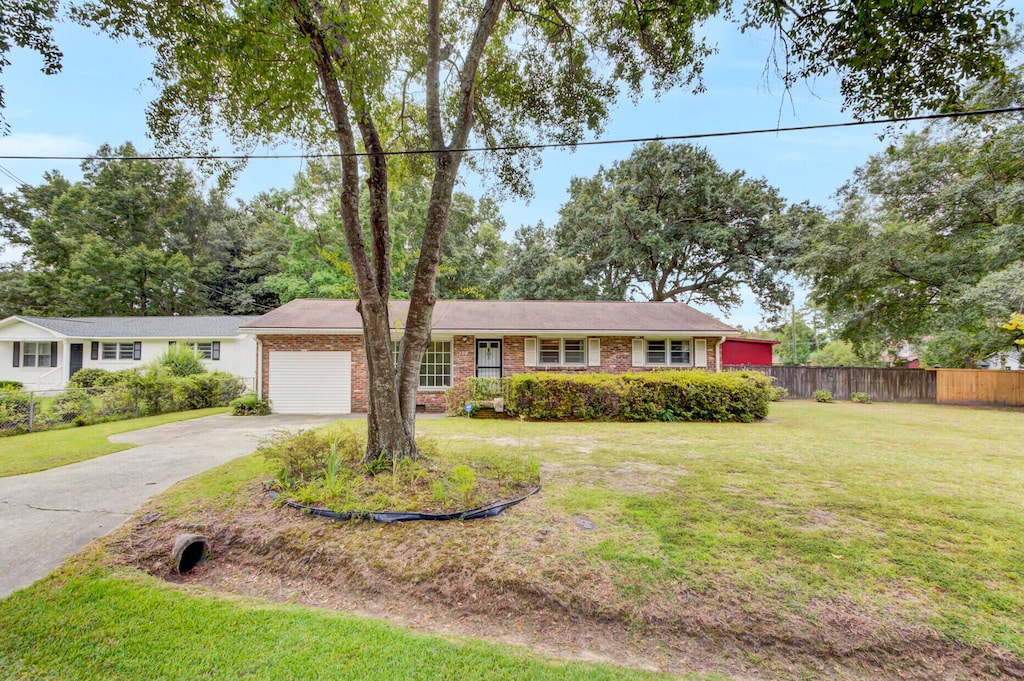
<point>303,457</point>
<point>660,396</point>
<point>249,404</point>
<point>823,395</point>
<point>182,360</point>
<point>116,402</point>
<point>11,386</point>
<point>70,406</point>
<point>860,398</point>
<point>87,378</point>
<point>198,391</point>
<point>155,391</point>
<point>779,393</point>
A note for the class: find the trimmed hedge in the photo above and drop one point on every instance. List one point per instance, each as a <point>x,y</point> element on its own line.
<point>659,396</point>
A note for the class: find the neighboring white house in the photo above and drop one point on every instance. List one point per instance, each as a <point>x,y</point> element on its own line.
<point>1003,360</point>
<point>43,352</point>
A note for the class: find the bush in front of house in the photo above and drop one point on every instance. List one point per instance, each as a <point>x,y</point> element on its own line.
<point>72,406</point>
<point>249,404</point>
<point>11,386</point>
<point>209,389</point>
<point>182,360</point>
<point>660,396</point>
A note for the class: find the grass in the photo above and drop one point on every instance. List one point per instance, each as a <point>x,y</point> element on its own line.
<point>911,508</point>
<point>128,626</point>
<point>908,515</point>
<point>32,452</point>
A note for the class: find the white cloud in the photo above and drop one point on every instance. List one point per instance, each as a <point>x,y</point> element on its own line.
<point>43,144</point>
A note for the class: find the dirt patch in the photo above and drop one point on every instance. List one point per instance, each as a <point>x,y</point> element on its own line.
<point>523,578</point>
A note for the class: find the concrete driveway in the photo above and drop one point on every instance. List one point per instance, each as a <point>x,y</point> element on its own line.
<point>47,516</point>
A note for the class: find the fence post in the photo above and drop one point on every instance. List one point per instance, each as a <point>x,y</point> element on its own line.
<point>31,409</point>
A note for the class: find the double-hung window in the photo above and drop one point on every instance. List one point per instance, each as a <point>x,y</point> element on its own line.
<point>436,365</point>
<point>668,352</point>
<point>130,350</point>
<point>562,351</point>
<point>35,354</point>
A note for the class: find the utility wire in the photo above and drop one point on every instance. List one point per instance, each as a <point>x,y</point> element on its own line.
<point>14,177</point>
<point>529,147</point>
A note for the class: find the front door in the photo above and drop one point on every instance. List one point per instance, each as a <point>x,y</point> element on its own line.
<point>488,358</point>
<point>75,363</point>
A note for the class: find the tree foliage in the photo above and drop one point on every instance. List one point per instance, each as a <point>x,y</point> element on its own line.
<point>928,242</point>
<point>131,238</point>
<point>669,223</point>
<point>381,76</point>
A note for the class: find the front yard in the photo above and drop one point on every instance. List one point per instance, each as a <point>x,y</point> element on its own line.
<point>831,540</point>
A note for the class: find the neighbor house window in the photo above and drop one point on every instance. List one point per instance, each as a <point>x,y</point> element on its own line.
<point>563,351</point>
<point>132,350</point>
<point>668,352</point>
<point>436,366</point>
<point>35,354</point>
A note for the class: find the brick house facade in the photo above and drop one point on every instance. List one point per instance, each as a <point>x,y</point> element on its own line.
<point>564,337</point>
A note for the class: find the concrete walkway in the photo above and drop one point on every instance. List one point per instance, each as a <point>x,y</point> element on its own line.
<point>47,516</point>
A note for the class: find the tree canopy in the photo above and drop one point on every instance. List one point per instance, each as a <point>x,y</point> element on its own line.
<point>928,243</point>
<point>130,238</point>
<point>669,223</point>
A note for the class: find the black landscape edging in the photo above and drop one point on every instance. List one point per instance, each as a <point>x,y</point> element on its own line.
<point>488,511</point>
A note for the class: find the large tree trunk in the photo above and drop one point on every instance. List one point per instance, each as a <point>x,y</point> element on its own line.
<point>391,403</point>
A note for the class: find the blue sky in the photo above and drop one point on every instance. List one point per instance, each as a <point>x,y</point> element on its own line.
<point>102,92</point>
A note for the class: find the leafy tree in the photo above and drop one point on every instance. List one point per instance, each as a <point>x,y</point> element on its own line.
<point>382,76</point>
<point>535,270</point>
<point>28,24</point>
<point>834,354</point>
<point>131,238</point>
<point>928,242</point>
<point>669,223</point>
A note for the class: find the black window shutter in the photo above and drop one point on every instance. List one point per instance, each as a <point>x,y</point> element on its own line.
<point>94,351</point>
<point>17,354</point>
<point>53,353</point>
<point>215,354</point>
<point>137,350</point>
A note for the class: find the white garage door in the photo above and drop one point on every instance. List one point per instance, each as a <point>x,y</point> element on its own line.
<point>311,382</point>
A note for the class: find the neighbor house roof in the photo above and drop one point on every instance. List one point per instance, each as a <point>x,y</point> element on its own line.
<point>499,316</point>
<point>213,326</point>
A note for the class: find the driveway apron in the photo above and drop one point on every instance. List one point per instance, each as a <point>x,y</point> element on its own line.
<point>47,516</point>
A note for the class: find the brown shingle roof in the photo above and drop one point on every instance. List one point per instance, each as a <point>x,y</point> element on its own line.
<point>500,316</point>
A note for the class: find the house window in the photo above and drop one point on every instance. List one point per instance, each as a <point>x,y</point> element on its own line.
<point>203,349</point>
<point>131,350</point>
<point>436,365</point>
<point>668,352</point>
<point>35,354</point>
<point>563,351</point>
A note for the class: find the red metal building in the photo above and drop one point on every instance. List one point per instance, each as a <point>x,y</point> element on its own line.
<point>741,351</point>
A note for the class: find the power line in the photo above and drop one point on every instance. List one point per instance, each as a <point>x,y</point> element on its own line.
<point>14,177</point>
<point>533,147</point>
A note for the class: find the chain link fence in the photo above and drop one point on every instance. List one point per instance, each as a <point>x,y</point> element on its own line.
<point>24,411</point>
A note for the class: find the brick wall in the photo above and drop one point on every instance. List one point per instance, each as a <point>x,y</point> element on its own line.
<point>616,358</point>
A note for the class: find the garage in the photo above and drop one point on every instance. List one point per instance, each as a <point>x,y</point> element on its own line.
<point>313,382</point>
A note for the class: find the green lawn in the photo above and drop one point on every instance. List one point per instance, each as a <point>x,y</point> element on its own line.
<point>903,517</point>
<point>41,451</point>
<point>103,626</point>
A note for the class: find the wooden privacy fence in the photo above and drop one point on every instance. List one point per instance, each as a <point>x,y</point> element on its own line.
<point>928,386</point>
<point>980,386</point>
<point>883,385</point>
